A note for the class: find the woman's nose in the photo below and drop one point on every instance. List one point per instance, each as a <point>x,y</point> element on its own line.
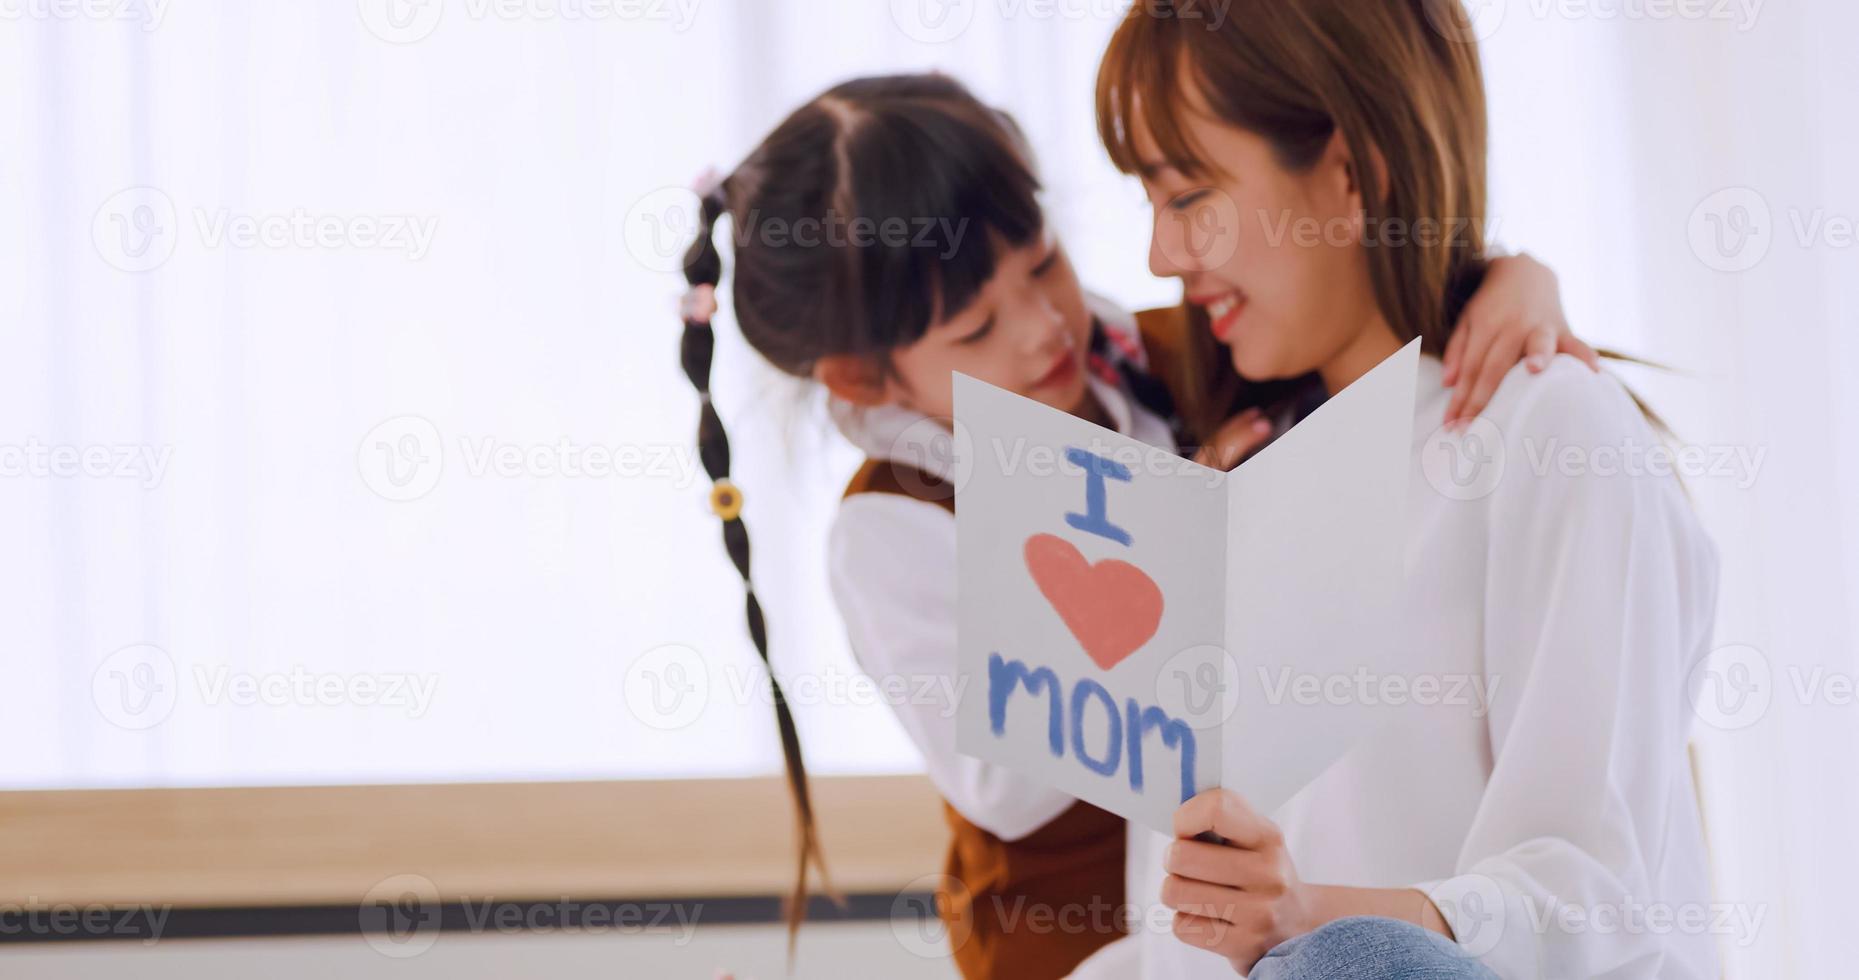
<point>1165,247</point>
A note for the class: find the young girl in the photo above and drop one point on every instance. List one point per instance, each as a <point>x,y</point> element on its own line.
<point>886,235</point>
<point>1538,829</point>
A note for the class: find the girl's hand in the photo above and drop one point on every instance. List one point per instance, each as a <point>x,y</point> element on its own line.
<point>1237,438</point>
<point>1516,314</point>
<point>1240,898</point>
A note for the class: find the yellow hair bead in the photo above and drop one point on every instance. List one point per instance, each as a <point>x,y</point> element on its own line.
<point>726,500</point>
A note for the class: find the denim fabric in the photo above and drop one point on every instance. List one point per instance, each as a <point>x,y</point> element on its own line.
<point>1369,948</point>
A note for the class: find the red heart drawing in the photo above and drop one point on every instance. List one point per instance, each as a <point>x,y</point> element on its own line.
<point>1111,607</point>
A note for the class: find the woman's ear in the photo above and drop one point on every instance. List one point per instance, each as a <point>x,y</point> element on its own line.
<point>1341,181</point>
<point>852,378</point>
<point>1353,173</point>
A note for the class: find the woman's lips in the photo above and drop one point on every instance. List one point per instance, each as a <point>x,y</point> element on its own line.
<point>1223,311</point>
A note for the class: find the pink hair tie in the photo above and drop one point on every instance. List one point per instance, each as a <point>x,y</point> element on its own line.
<point>699,304</point>
<point>707,183</point>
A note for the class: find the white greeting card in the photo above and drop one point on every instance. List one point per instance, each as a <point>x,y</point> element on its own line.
<point>1128,619</point>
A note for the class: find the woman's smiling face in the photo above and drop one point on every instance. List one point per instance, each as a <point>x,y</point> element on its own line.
<point>1274,256</point>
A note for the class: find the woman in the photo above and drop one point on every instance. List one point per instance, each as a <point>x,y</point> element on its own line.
<point>1348,138</point>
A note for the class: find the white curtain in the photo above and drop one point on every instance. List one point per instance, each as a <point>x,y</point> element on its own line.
<point>308,307</point>
<point>1688,168</point>
<point>295,275</point>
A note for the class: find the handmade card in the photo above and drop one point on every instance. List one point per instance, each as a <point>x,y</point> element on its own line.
<point>1129,620</point>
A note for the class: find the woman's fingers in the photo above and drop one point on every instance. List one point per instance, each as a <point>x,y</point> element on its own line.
<point>1483,375</point>
<point>1231,866</point>
<point>1224,813</point>
<point>1568,343</point>
<point>1241,947</point>
<point>1455,349</point>
<point>1208,901</point>
<point>1539,348</point>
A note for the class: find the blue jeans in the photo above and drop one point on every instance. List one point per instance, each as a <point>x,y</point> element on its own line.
<point>1369,948</point>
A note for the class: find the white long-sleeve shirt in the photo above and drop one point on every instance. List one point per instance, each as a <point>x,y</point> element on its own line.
<point>891,565</point>
<point>1552,820</point>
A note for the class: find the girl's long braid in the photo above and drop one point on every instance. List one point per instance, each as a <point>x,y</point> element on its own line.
<point>703,268</point>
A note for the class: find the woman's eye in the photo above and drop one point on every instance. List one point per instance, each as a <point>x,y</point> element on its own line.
<point>979,335</point>
<point>1046,264</point>
<point>1186,201</point>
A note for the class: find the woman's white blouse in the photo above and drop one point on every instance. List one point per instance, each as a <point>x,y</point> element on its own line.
<point>1552,818</point>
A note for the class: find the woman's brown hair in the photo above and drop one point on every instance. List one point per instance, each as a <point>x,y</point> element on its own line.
<point>1394,77</point>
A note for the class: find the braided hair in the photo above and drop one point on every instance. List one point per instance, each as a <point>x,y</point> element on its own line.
<point>912,152</point>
